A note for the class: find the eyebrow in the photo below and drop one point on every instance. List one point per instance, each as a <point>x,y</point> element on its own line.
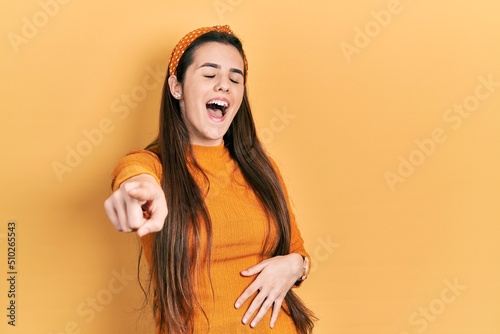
<point>234,70</point>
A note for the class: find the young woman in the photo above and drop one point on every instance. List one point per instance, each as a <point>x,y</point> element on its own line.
<point>210,206</point>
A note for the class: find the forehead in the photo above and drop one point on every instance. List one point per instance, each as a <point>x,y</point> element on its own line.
<point>218,53</point>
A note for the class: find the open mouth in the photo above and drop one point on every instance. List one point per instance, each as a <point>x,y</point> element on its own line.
<point>217,108</point>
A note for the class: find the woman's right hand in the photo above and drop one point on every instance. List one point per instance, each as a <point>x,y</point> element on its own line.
<point>126,206</point>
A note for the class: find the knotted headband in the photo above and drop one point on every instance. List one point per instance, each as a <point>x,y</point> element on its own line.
<point>186,41</point>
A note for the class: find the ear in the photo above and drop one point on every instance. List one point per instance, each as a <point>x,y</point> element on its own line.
<point>175,87</point>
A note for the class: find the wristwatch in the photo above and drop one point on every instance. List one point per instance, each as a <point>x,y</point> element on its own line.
<point>306,267</point>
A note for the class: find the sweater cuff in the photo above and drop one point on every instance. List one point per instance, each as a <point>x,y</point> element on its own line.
<point>129,172</point>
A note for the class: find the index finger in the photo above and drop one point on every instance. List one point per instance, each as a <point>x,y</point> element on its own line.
<point>249,291</point>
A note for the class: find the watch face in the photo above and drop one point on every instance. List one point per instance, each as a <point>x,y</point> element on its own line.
<point>308,267</point>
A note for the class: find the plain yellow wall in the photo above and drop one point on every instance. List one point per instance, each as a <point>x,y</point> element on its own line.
<point>383,116</point>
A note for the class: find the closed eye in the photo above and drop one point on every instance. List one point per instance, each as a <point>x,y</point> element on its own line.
<point>213,76</point>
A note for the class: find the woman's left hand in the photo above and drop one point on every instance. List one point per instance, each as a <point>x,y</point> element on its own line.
<point>275,277</point>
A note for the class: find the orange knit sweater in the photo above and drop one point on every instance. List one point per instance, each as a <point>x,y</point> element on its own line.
<point>240,227</point>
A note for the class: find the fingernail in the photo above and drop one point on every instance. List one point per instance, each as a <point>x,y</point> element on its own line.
<point>253,324</point>
<point>245,320</point>
<point>237,305</point>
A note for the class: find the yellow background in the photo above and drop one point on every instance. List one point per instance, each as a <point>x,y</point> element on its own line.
<point>338,122</point>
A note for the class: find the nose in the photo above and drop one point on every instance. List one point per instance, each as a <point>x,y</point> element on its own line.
<point>222,85</point>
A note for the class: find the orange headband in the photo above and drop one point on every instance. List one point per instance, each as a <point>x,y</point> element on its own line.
<point>186,41</point>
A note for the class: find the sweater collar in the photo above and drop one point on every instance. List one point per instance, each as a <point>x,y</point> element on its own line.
<point>203,153</point>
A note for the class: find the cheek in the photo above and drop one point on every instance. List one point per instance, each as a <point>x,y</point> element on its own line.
<point>240,100</point>
<point>192,100</point>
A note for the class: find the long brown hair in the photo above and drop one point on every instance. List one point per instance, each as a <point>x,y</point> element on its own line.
<point>173,262</point>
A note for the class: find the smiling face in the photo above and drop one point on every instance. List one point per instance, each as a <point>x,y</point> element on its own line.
<point>211,93</point>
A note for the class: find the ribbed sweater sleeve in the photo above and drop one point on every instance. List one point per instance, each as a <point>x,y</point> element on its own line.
<point>135,163</point>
